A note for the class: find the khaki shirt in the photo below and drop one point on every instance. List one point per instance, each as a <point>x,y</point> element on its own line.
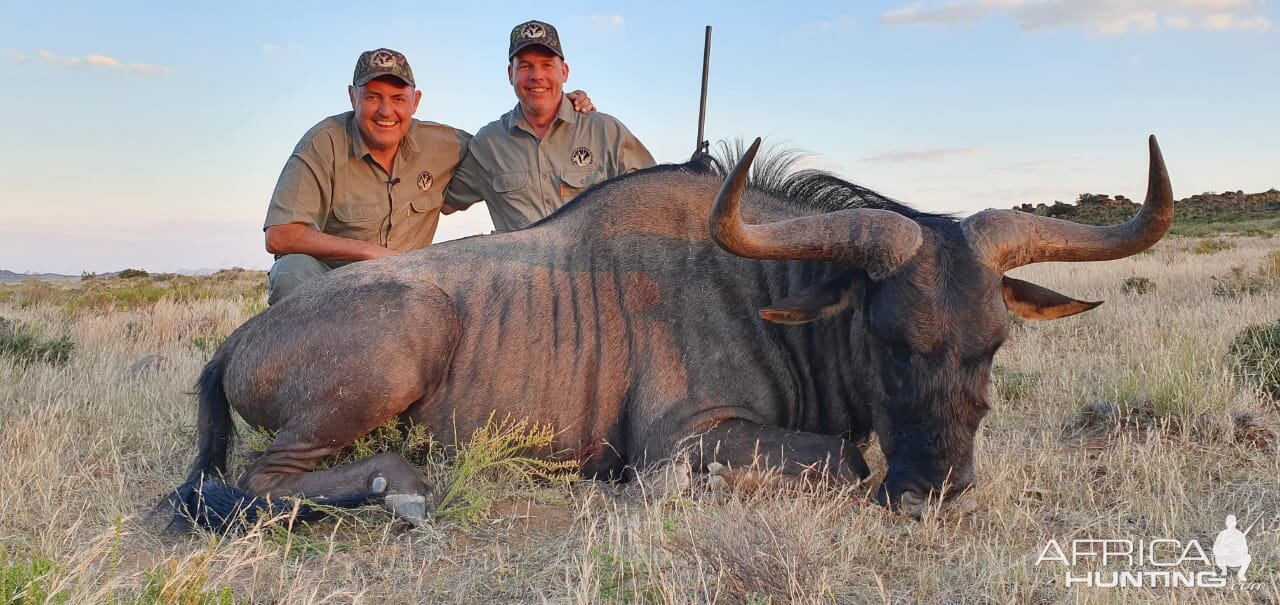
<point>333,185</point>
<point>523,179</point>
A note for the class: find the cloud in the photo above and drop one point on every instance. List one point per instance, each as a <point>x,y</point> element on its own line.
<point>894,156</point>
<point>606,22</point>
<point>94,61</point>
<point>1104,17</point>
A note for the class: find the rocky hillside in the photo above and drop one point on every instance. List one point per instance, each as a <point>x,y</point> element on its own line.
<point>1226,207</point>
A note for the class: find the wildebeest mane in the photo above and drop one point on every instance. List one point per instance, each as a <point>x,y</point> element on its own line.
<point>774,172</point>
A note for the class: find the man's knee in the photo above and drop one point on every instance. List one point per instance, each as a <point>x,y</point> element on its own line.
<point>291,271</point>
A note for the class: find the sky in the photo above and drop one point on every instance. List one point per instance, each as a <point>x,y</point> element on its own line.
<point>150,134</point>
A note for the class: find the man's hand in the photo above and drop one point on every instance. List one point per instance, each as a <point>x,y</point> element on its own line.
<point>447,209</point>
<point>581,102</point>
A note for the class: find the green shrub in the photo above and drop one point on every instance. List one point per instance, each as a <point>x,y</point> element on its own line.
<point>1212,246</point>
<point>131,273</point>
<point>23,582</point>
<point>1256,352</point>
<point>22,344</point>
<point>1138,285</point>
<point>1059,209</point>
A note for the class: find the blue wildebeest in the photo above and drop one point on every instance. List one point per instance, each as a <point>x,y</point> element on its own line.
<point>805,315</point>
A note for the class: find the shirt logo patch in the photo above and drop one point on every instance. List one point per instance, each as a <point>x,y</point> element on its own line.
<point>533,30</point>
<point>425,181</point>
<point>581,157</point>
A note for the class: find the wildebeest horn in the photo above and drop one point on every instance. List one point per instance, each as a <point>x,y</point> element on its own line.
<point>878,241</point>
<point>1005,239</point>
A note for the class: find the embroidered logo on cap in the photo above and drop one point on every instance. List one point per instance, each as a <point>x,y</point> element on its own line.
<point>383,58</point>
<point>533,30</point>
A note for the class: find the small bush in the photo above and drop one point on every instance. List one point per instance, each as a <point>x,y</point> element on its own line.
<point>131,273</point>
<point>1138,285</point>
<point>1240,284</point>
<point>22,344</point>
<point>1059,209</point>
<point>1212,246</point>
<point>498,453</point>
<point>23,582</point>
<point>1256,351</point>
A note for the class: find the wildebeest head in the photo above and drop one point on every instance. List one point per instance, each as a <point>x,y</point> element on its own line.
<point>934,309</point>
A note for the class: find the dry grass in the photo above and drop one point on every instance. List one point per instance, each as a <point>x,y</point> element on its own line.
<point>1128,422</point>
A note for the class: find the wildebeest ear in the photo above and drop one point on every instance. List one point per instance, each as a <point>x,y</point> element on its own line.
<point>815,302</point>
<point>1030,301</point>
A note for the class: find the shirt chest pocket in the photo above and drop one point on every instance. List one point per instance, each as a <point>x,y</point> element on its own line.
<point>354,212</point>
<point>575,181</point>
<point>426,202</point>
<point>512,181</point>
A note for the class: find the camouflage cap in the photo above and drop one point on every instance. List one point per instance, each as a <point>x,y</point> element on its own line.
<point>530,33</point>
<point>382,62</point>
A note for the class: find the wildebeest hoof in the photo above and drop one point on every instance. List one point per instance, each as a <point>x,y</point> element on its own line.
<point>378,485</point>
<point>409,507</point>
<point>912,505</point>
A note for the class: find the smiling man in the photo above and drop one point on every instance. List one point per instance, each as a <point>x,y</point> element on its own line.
<point>540,155</point>
<point>367,183</point>
<point>364,184</point>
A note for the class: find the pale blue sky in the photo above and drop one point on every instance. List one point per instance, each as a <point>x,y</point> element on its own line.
<point>150,135</point>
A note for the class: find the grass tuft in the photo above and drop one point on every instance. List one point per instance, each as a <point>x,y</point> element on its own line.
<point>23,344</point>
<point>29,581</point>
<point>1138,285</point>
<point>499,453</point>
<point>1212,246</point>
<point>1256,353</point>
<point>1012,385</point>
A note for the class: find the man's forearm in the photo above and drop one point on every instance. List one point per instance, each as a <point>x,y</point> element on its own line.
<point>301,239</point>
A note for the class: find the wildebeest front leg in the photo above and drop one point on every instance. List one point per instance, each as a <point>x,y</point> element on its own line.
<point>740,444</point>
<point>285,470</point>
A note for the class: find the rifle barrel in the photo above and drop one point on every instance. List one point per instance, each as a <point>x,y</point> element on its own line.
<point>702,103</point>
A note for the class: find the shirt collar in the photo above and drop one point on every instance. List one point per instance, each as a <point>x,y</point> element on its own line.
<point>564,114</point>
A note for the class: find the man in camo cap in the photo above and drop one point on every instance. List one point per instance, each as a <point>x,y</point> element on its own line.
<point>364,184</point>
<point>540,155</point>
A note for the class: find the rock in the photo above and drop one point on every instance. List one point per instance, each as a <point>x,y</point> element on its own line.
<point>146,365</point>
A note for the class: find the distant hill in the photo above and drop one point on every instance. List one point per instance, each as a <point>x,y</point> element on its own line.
<point>9,277</point>
<point>1205,208</point>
